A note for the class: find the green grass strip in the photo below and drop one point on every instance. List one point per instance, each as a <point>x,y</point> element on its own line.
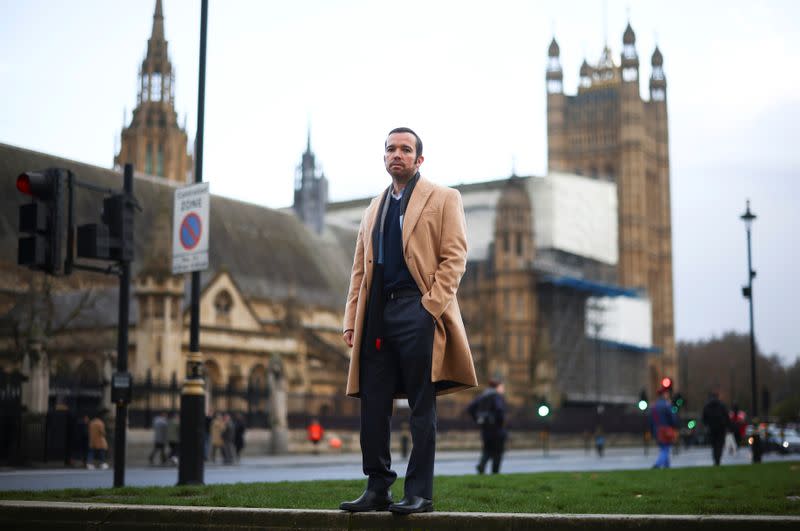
<point>766,489</point>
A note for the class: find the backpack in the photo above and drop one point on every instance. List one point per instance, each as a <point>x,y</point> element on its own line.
<point>485,413</point>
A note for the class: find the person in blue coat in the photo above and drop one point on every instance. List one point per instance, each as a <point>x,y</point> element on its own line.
<point>663,424</point>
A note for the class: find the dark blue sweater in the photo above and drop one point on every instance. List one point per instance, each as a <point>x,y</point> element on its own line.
<point>395,273</point>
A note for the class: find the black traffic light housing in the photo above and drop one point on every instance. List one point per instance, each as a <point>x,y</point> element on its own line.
<point>42,219</point>
<point>678,402</point>
<point>113,239</point>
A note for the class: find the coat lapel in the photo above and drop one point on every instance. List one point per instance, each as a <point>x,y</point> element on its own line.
<point>369,229</point>
<point>416,204</point>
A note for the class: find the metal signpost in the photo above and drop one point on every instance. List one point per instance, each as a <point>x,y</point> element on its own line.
<point>191,244</point>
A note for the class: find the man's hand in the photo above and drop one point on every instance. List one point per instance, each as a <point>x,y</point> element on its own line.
<point>348,337</point>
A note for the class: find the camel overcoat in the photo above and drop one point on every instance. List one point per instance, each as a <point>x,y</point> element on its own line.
<point>435,250</point>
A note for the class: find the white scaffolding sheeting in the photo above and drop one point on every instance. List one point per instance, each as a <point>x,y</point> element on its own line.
<point>575,214</point>
<point>625,320</point>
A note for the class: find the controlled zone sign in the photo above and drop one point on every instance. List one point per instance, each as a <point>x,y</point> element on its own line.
<point>190,229</point>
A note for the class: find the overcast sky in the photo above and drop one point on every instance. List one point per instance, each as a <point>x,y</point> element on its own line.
<point>469,78</point>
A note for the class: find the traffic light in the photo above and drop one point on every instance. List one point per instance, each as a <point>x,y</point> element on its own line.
<point>692,424</point>
<point>113,239</point>
<point>543,409</point>
<point>678,401</point>
<point>42,219</point>
<point>666,383</point>
<point>642,404</point>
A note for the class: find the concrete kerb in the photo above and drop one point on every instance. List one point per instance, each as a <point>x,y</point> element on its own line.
<point>26,515</point>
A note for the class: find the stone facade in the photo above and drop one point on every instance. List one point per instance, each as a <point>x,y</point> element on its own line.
<point>607,131</point>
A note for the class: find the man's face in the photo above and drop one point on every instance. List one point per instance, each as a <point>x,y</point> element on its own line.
<point>400,156</point>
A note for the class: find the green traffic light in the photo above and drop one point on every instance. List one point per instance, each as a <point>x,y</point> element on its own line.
<point>674,409</point>
<point>691,424</point>
<point>642,405</point>
<point>544,410</point>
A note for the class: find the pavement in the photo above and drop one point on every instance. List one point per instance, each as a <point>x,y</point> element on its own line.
<point>20,515</point>
<point>348,466</point>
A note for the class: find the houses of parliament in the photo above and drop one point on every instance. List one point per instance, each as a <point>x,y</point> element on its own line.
<point>568,274</point>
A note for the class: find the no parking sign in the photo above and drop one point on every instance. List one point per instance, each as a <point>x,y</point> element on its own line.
<point>190,229</point>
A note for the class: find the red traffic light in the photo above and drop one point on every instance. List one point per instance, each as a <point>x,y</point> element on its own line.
<point>666,382</point>
<point>38,185</point>
<point>24,184</point>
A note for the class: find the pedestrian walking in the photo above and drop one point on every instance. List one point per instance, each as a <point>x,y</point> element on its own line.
<point>403,323</point>
<point>730,443</point>
<point>228,435</point>
<point>739,424</point>
<point>98,445</point>
<point>599,440</point>
<point>159,438</point>
<point>238,441</point>
<point>663,425</point>
<point>717,421</point>
<point>488,410</point>
<point>174,437</point>
<point>217,427</point>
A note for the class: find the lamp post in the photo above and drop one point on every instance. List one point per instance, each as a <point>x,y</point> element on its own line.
<point>747,291</point>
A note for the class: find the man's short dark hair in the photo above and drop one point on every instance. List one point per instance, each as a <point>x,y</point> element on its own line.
<point>407,130</point>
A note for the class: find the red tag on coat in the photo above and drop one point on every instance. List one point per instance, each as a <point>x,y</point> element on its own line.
<point>377,343</point>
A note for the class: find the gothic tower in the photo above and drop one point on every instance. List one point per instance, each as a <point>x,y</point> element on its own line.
<point>514,309</point>
<point>310,191</point>
<point>153,141</point>
<point>607,131</point>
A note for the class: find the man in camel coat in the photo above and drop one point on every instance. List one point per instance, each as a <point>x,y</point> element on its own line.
<point>403,322</point>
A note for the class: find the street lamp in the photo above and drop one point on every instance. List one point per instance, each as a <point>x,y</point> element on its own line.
<point>747,292</point>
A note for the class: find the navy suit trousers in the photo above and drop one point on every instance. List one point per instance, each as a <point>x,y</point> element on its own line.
<point>402,364</point>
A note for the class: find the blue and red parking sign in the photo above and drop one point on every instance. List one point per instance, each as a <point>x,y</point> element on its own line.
<point>190,229</point>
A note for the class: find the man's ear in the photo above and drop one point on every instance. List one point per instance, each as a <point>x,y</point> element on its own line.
<point>420,160</point>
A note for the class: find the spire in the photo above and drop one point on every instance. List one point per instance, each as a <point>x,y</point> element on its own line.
<point>158,23</point>
<point>554,50</point>
<point>630,60</point>
<point>554,75</point>
<point>310,189</point>
<point>657,59</point>
<point>157,44</point>
<point>629,37</point>
<point>658,82</point>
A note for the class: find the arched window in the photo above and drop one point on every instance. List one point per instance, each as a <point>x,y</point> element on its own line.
<point>160,161</point>
<point>148,161</point>
<point>223,303</point>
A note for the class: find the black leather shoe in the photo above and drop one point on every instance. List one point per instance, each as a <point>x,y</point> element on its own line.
<point>412,504</point>
<point>368,501</point>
